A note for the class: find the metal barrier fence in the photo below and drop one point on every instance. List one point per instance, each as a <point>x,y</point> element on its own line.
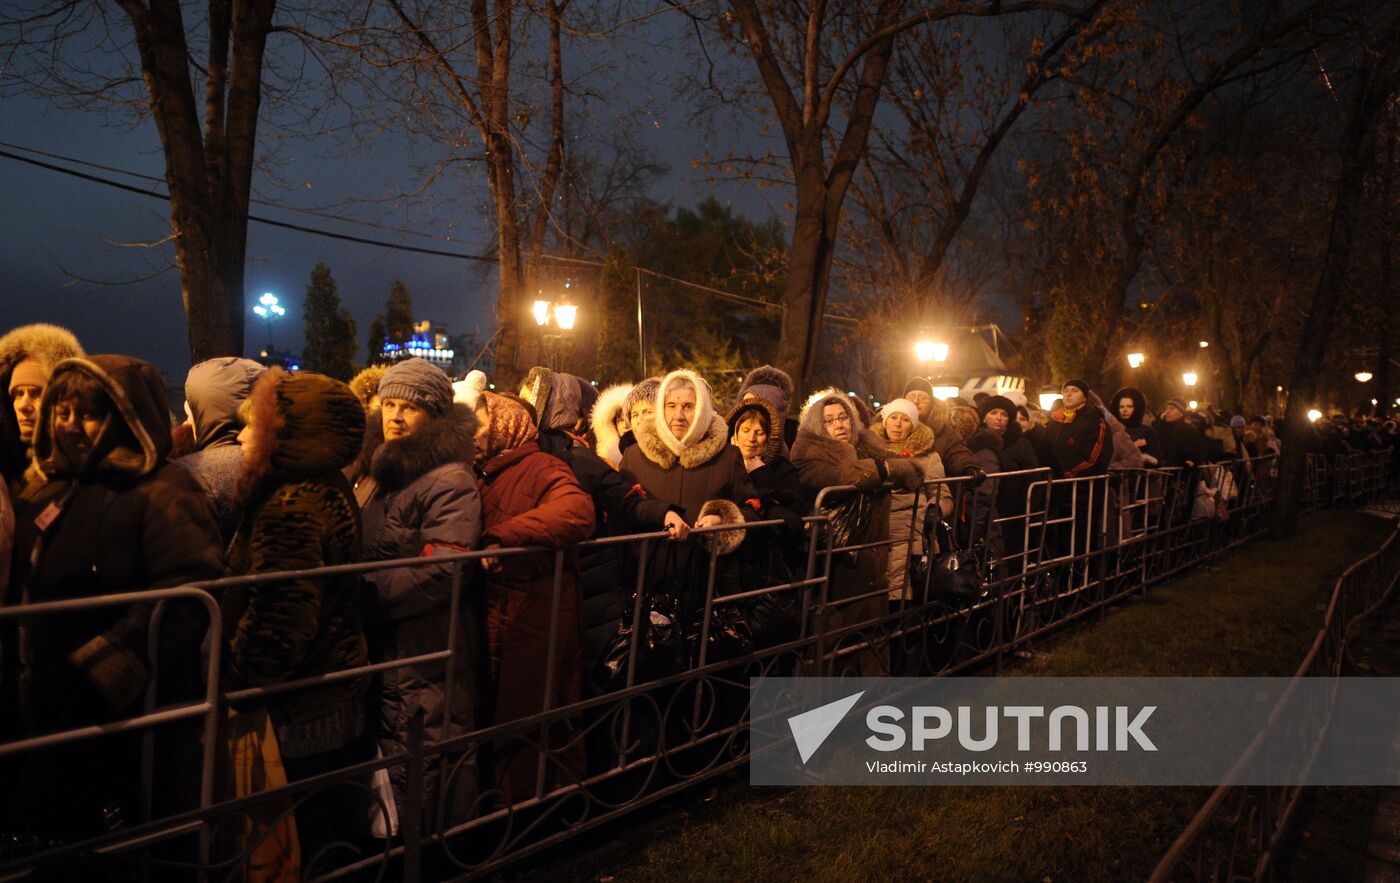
<point>672,711</point>
<point>1238,832</point>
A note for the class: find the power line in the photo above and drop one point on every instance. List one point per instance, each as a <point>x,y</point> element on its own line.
<point>345,237</point>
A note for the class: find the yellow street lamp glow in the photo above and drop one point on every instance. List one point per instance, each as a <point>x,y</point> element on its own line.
<point>565,315</point>
<point>1363,376</point>
<point>1189,378</point>
<point>541,311</point>
<point>1135,360</point>
<point>1204,344</point>
<point>1314,415</point>
<point>1192,404</point>
<point>1048,399</point>
<point>1278,389</point>
<point>931,351</point>
<point>943,393</point>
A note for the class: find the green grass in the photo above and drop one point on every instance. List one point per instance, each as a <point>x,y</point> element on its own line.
<point>1253,614</point>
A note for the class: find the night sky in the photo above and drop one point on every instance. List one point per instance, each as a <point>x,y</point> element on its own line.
<point>57,228</point>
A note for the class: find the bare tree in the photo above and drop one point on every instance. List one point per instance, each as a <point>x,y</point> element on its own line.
<point>203,88</point>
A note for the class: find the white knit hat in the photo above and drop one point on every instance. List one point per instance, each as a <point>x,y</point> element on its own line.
<point>900,406</point>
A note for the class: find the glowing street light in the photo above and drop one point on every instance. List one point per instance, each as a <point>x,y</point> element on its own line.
<point>1135,360</point>
<point>1204,344</point>
<point>945,388</point>
<point>1363,376</point>
<point>541,312</point>
<point>1314,415</point>
<point>931,351</point>
<point>565,314</point>
<point>267,308</point>
<point>1193,404</point>
<point>1189,378</point>
<point>1048,396</point>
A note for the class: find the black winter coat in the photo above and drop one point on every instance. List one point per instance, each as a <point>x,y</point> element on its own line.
<point>125,520</point>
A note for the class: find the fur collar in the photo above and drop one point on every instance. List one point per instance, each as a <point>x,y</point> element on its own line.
<point>919,442</point>
<point>701,451</point>
<point>398,463</point>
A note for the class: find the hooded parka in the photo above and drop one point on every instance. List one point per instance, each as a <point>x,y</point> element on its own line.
<point>906,520</point>
<point>123,520</point>
<point>213,392</point>
<point>863,515</point>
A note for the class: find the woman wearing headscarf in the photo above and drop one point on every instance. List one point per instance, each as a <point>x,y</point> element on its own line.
<point>418,495</point>
<point>1131,407</point>
<point>775,387</point>
<point>528,498</point>
<point>905,436</point>
<point>683,456</point>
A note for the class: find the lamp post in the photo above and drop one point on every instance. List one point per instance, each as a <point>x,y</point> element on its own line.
<point>561,315</point>
<point>268,309</point>
<point>1363,376</point>
<point>1135,360</point>
<point>1189,378</point>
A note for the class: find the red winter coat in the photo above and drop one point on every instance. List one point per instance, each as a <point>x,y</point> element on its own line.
<point>529,498</point>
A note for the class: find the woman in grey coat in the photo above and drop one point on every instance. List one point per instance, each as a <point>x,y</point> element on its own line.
<point>418,497</point>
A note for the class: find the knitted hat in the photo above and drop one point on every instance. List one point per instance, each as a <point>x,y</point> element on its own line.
<point>644,391</point>
<point>900,406</point>
<point>1178,404</point>
<point>1079,385</point>
<point>994,403</point>
<point>1237,422</point>
<point>469,388</point>
<point>921,384</point>
<point>418,381</point>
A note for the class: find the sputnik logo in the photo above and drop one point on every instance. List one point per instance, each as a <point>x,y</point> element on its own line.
<point>811,728</point>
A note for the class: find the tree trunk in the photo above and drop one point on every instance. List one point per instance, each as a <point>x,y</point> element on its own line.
<point>1375,84</point>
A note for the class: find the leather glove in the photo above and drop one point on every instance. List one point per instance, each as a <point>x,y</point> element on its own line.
<point>977,476</point>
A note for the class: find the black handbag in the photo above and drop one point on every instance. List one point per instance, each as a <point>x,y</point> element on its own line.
<point>661,647</point>
<point>950,573</point>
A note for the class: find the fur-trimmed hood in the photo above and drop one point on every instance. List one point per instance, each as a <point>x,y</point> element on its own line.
<point>136,438</point>
<point>702,423</point>
<point>699,453</point>
<point>603,421</point>
<point>811,418</point>
<point>304,425</point>
<point>396,464</point>
<point>774,449</point>
<point>919,442</point>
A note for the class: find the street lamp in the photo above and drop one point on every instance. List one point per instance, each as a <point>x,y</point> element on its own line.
<point>1193,404</point>
<point>564,316</point>
<point>267,309</point>
<point>1204,344</point>
<point>1314,415</point>
<point>1189,378</point>
<point>1363,376</point>
<point>1048,396</point>
<point>1135,360</point>
<point>931,351</point>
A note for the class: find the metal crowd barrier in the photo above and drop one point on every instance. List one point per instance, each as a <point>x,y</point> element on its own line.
<point>1084,543</point>
<point>1239,831</point>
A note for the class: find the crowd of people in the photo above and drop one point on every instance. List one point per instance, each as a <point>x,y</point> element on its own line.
<point>105,491</point>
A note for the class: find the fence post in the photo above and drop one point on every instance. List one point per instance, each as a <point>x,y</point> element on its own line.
<point>411,822</point>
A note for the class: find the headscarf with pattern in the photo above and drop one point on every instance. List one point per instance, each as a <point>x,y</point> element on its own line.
<point>508,425</point>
